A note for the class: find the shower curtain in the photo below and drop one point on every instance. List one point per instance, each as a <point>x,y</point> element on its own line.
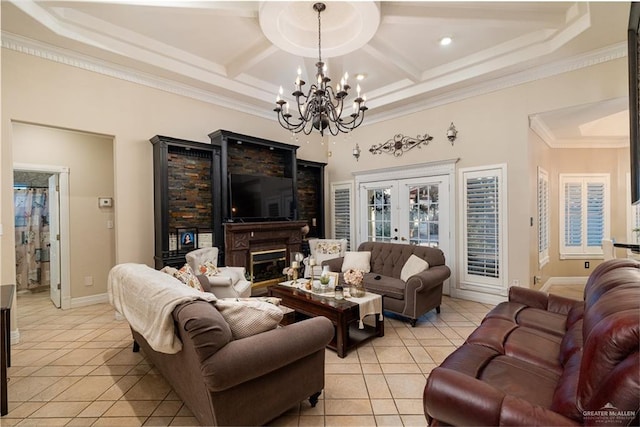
<point>32,237</point>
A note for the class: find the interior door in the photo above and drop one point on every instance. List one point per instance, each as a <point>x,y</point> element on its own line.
<point>54,239</point>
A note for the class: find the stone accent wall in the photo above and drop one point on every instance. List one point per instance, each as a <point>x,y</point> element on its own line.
<point>190,195</point>
<point>255,160</point>
<point>308,187</point>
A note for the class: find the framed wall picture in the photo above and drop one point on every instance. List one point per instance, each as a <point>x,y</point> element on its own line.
<point>187,239</point>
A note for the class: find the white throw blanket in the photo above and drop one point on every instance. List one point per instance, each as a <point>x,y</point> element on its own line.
<point>146,298</point>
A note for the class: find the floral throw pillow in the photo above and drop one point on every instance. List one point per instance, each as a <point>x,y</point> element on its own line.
<point>209,269</point>
<point>186,276</point>
<point>328,248</point>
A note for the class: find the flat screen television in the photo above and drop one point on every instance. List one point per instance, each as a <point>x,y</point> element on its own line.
<point>255,197</point>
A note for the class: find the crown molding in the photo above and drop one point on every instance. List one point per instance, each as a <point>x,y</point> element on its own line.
<point>588,59</point>
<point>63,56</point>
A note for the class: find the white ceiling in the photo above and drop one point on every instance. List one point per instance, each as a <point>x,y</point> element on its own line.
<point>238,53</point>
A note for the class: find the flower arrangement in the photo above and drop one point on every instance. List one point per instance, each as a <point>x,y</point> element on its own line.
<point>354,277</point>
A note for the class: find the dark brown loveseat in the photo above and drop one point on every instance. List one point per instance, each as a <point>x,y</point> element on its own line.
<point>421,293</point>
<point>546,360</point>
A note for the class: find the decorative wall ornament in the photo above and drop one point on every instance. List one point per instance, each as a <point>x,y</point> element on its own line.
<point>452,133</point>
<point>400,143</point>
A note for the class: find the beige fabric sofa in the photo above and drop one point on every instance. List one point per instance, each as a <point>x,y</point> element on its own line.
<point>421,293</point>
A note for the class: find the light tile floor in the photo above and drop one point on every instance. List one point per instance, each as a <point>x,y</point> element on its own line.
<point>76,368</point>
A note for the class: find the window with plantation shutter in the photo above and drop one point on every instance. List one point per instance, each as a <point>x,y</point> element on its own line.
<point>543,217</point>
<point>341,204</point>
<point>584,215</point>
<point>484,226</point>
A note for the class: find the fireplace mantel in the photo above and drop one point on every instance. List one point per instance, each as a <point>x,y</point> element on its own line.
<point>240,239</point>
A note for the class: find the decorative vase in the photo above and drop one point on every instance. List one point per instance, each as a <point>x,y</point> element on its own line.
<point>356,290</point>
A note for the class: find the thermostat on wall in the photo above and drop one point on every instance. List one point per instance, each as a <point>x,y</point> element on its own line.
<point>105,202</point>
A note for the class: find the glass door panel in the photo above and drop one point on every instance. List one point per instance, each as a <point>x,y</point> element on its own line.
<point>424,209</point>
<point>377,203</point>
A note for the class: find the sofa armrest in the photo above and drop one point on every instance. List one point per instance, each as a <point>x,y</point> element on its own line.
<point>335,264</point>
<point>455,398</point>
<point>428,278</point>
<point>244,359</point>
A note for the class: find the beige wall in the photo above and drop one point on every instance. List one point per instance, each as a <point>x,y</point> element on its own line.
<point>493,129</point>
<point>89,158</point>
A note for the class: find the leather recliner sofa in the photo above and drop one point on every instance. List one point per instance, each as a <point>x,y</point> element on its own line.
<point>541,359</point>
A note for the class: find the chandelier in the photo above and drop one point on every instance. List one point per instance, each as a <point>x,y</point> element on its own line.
<point>322,107</point>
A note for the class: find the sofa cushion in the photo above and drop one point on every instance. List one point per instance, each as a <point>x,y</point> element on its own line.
<point>249,317</point>
<point>357,261</point>
<point>521,379</point>
<point>184,275</point>
<point>386,286</point>
<point>413,265</point>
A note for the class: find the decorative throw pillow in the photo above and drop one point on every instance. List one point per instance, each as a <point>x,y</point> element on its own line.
<point>328,248</point>
<point>209,269</point>
<point>249,317</point>
<point>186,276</point>
<point>413,265</point>
<point>357,261</point>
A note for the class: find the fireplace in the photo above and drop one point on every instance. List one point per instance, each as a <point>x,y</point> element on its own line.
<point>266,267</point>
<point>244,241</point>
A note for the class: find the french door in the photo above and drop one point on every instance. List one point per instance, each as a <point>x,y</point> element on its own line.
<point>412,210</point>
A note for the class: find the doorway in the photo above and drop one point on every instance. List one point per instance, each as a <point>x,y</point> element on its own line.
<point>409,206</point>
<point>41,206</point>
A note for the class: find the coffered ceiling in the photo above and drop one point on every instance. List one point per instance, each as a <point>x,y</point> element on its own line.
<point>238,53</point>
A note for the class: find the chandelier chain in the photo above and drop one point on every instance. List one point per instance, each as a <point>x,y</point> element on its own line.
<point>319,36</point>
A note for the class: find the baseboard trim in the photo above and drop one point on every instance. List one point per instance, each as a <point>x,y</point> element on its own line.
<point>564,281</point>
<point>89,300</point>
<point>479,297</point>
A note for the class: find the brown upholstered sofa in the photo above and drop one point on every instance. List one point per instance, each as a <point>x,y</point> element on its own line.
<point>248,381</point>
<point>421,293</point>
<point>546,360</point>
<point>227,359</point>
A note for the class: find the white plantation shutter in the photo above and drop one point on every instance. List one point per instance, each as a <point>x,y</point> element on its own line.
<point>484,226</point>
<point>543,217</point>
<point>341,204</point>
<point>584,217</point>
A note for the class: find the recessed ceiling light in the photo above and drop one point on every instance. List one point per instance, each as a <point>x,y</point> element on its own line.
<point>445,41</point>
<point>361,76</point>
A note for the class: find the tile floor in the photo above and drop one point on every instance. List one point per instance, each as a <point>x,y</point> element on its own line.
<point>76,368</point>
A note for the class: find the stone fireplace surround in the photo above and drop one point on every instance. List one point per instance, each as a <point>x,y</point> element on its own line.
<point>241,239</point>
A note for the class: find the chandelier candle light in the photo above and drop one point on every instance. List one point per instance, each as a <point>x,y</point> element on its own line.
<point>322,107</point>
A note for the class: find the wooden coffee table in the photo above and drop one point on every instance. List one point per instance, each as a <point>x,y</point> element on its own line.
<point>343,314</point>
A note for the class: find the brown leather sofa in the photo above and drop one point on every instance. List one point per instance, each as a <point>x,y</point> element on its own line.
<point>248,381</point>
<point>421,293</point>
<point>546,360</point>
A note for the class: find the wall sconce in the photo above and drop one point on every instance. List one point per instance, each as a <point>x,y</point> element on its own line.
<point>356,152</point>
<point>452,133</point>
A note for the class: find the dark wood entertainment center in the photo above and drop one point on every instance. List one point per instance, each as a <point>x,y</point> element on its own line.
<point>191,192</point>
